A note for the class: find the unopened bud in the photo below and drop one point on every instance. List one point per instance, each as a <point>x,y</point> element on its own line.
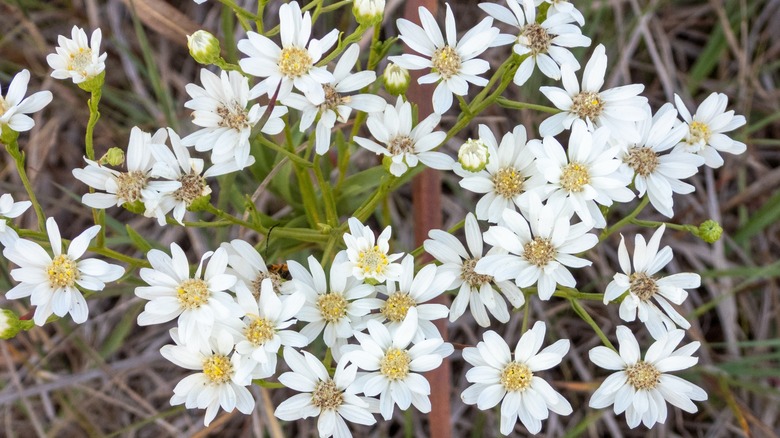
<point>114,157</point>
<point>10,324</point>
<point>204,47</point>
<point>473,155</point>
<point>709,231</point>
<point>368,12</point>
<point>396,79</point>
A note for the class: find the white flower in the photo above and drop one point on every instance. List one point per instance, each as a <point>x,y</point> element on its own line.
<point>52,282</point>
<point>294,63</point>
<point>706,128</point>
<point>406,146</point>
<point>496,376</point>
<point>545,43</point>
<point>394,367</point>
<point>451,62</point>
<point>641,387</point>
<point>611,108</point>
<point>509,174</point>
<point>659,175</point>
<point>539,249</point>
<point>475,291</point>
<point>563,7</point>
<point>332,399</point>
<point>250,268</point>
<point>14,107</point>
<point>583,175</point>
<point>337,104</point>
<point>10,209</point>
<point>368,257</point>
<point>76,58</point>
<point>131,186</point>
<point>262,331</point>
<point>199,301</point>
<point>643,285</point>
<point>337,307</point>
<point>414,291</point>
<point>219,382</point>
<point>220,108</point>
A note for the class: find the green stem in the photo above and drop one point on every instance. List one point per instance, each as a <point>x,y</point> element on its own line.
<point>304,184</point>
<point>625,221</point>
<point>331,213</point>
<point>582,313</point>
<point>295,158</point>
<point>242,14</point>
<point>655,224</point>
<point>10,138</point>
<point>526,314</point>
<point>571,293</point>
<point>351,38</point>
<point>513,104</point>
<point>98,215</point>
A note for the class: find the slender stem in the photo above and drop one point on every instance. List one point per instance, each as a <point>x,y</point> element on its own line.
<point>351,38</point>
<point>242,14</point>
<point>526,314</point>
<point>625,221</point>
<point>513,104</point>
<point>331,213</point>
<point>291,155</point>
<point>655,224</point>
<point>304,184</point>
<point>12,146</point>
<point>579,310</point>
<point>98,215</point>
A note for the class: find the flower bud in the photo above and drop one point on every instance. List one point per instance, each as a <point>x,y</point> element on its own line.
<point>396,79</point>
<point>114,157</point>
<point>473,155</point>
<point>10,324</point>
<point>204,47</point>
<point>368,12</point>
<point>709,231</point>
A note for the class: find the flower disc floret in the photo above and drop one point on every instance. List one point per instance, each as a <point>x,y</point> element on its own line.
<point>80,60</point>
<point>193,293</point>
<point>192,185</point>
<point>395,364</point>
<point>233,117</point>
<point>130,184</point>
<point>259,331</point>
<point>446,61</point>
<point>642,160</point>
<point>218,369</point>
<point>587,104</point>
<point>62,272</point>
<point>508,182</point>
<point>699,133</point>
<point>327,395</point>
<point>516,376</point>
<point>276,281</point>
<point>574,177</point>
<point>332,306</point>
<point>539,252</point>
<point>642,285</point>
<point>536,38</point>
<point>402,144</point>
<point>472,278</point>
<point>372,260</point>
<point>333,98</point>
<point>294,62</point>
<point>397,306</point>
<point>643,375</point>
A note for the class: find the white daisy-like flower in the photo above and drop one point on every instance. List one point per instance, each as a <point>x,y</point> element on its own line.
<point>415,291</point>
<point>706,129</point>
<point>14,107</point>
<point>545,43</point>
<point>394,366</point>
<point>508,176</point>
<point>475,291</point>
<point>655,174</point>
<point>337,105</point>
<point>498,377</point>
<point>127,187</point>
<point>199,301</point>
<point>641,387</point>
<point>539,249</point>
<point>452,62</point>
<point>52,282</point>
<point>263,328</point>
<point>77,58</point>
<point>249,267</point>
<point>218,382</point>
<point>332,399</point>
<point>644,286</point>
<point>404,145</point>
<point>336,306</point>
<point>367,255</point>
<point>292,65</point>
<point>563,7</point>
<point>220,108</point>
<point>611,108</point>
<point>585,174</point>
<point>8,210</point>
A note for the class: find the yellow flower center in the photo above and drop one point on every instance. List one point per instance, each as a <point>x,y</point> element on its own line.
<point>3,106</point>
<point>372,261</point>
<point>587,105</point>
<point>326,395</point>
<point>642,285</point>
<point>699,133</point>
<point>80,60</point>
<point>516,376</point>
<point>259,331</point>
<point>642,160</point>
<point>276,282</point>
<point>395,364</point>
<point>62,272</point>
<point>539,251</point>
<point>536,38</point>
<point>193,293</point>
<point>446,61</point>
<point>574,177</point>
<point>508,182</point>
<point>193,186</point>
<point>643,375</point>
<point>333,99</point>
<point>472,278</point>
<point>397,306</point>
<point>218,369</point>
<point>332,306</point>
<point>130,184</point>
<point>294,62</point>
<point>233,117</point>
<point>401,144</point>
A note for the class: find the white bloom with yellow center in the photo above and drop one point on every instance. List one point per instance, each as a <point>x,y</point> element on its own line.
<point>77,58</point>
<point>706,129</point>
<point>585,174</point>
<point>219,382</point>
<point>405,146</point>
<point>199,301</point>
<point>644,286</point>
<point>539,250</point>
<point>14,107</point>
<point>452,62</point>
<point>332,399</point>
<point>394,367</point>
<point>508,176</point>
<point>475,291</point>
<point>9,210</point>
<point>368,256</point>
<point>611,108</point>
<point>498,377</point>
<point>52,283</point>
<point>292,65</point>
<point>641,387</point>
